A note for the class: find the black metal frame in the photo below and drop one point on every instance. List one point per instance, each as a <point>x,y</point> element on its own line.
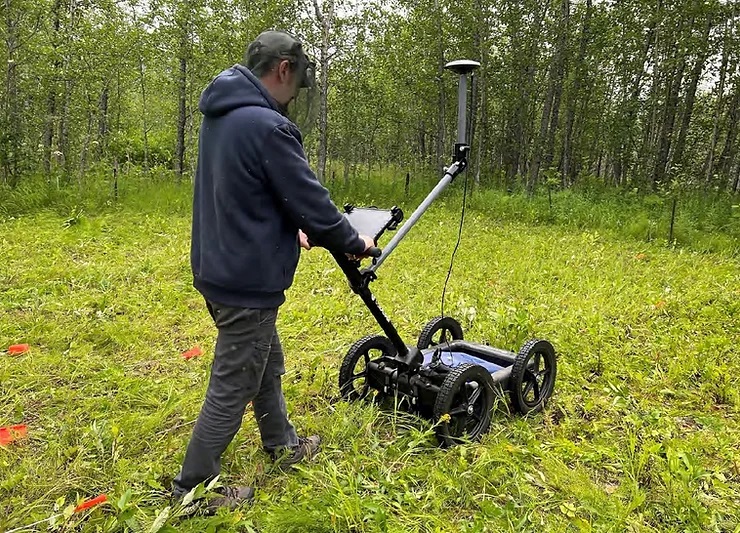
<point>359,280</point>
<point>422,383</point>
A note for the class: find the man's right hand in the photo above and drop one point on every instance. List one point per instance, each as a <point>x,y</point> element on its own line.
<point>369,243</point>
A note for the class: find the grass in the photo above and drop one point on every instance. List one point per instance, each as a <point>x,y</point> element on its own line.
<point>642,433</point>
<point>703,221</point>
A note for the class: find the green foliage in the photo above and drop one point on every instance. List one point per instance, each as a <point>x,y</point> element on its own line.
<point>701,223</point>
<point>627,93</point>
<point>707,224</point>
<point>640,435</point>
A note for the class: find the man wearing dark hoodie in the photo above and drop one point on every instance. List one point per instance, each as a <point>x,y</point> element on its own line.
<point>255,196</point>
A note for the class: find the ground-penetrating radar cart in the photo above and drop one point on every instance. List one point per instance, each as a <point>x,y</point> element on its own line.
<point>442,377</point>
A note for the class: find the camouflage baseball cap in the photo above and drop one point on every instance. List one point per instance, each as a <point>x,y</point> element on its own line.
<point>271,46</point>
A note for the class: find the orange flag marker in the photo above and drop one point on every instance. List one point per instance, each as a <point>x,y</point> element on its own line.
<point>17,349</point>
<point>193,352</point>
<point>10,434</point>
<point>88,504</point>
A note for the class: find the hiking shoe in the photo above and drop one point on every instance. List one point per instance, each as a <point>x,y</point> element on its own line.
<point>229,497</point>
<point>306,448</point>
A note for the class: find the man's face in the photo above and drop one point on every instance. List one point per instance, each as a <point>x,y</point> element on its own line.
<point>289,82</point>
<point>293,87</point>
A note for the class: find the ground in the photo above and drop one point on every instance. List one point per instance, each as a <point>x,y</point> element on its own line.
<point>641,435</point>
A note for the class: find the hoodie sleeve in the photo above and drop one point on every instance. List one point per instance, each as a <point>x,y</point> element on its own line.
<point>301,195</point>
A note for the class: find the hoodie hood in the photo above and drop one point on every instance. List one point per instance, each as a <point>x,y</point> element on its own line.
<point>233,88</point>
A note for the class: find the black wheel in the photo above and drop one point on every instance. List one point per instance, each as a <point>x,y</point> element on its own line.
<point>533,376</point>
<point>353,384</point>
<point>439,330</point>
<point>464,404</point>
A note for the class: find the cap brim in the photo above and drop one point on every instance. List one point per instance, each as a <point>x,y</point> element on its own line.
<point>309,76</point>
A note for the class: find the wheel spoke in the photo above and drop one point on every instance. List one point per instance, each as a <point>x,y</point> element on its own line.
<point>542,381</point>
<point>462,409</point>
<point>536,391</point>
<point>535,367</point>
<point>528,389</point>
<point>363,372</point>
<point>475,395</point>
<point>364,386</point>
<point>472,422</point>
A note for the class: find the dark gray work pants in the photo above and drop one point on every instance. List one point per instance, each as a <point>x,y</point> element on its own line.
<point>247,367</point>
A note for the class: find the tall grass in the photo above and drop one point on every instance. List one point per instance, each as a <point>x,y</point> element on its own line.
<point>701,222</point>
<point>641,434</point>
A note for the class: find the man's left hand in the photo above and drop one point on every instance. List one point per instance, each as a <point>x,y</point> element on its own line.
<point>304,240</point>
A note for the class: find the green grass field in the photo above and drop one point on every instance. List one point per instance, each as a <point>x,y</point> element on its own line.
<point>642,433</point>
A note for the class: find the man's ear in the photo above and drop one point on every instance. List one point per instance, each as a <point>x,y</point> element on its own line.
<point>283,69</point>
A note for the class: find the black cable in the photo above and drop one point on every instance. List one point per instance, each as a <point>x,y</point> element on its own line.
<point>459,236</point>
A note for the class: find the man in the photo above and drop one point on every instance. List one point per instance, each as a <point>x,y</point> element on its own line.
<point>254,193</point>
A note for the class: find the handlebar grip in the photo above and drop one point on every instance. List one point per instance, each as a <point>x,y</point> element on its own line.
<point>374,252</point>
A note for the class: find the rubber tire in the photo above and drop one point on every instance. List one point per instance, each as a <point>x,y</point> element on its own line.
<point>517,376</point>
<point>346,372</point>
<point>436,324</point>
<point>447,394</point>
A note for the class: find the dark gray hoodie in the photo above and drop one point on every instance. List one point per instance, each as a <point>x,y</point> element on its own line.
<point>253,191</point>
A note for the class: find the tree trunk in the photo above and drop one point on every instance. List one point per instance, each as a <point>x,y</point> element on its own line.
<point>534,169</point>
<point>12,145</point>
<point>623,160</point>
<point>345,173</point>
<point>118,101</point>
<point>517,135</point>
<point>483,135</point>
<point>545,142</point>
<point>440,137</point>
<point>515,115</point>
<point>724,162</point>
<point>669,120</point>
<point>474,104</point>
<point>709,164</point>
<point>472,115</point>
<point>182,82</point>
<point>559,81</point>
<point>440,146</point>
<point>678,156</point>
<point>86,141</point>
<point>647,151</point>
<point>326,21</point>
<point>103,120</point>
<point>567,155</point>
<point>549,154</point>
<point>63,134</point>
<point>51,100</point>
<point>649,138</point>
<point>51,111</point>
<point>144,113</point>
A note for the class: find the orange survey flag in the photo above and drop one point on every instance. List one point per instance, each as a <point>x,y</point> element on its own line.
<point>87,504</point>
<point>193,352</point>
<point>17,349</point>
<point>9,434</point>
